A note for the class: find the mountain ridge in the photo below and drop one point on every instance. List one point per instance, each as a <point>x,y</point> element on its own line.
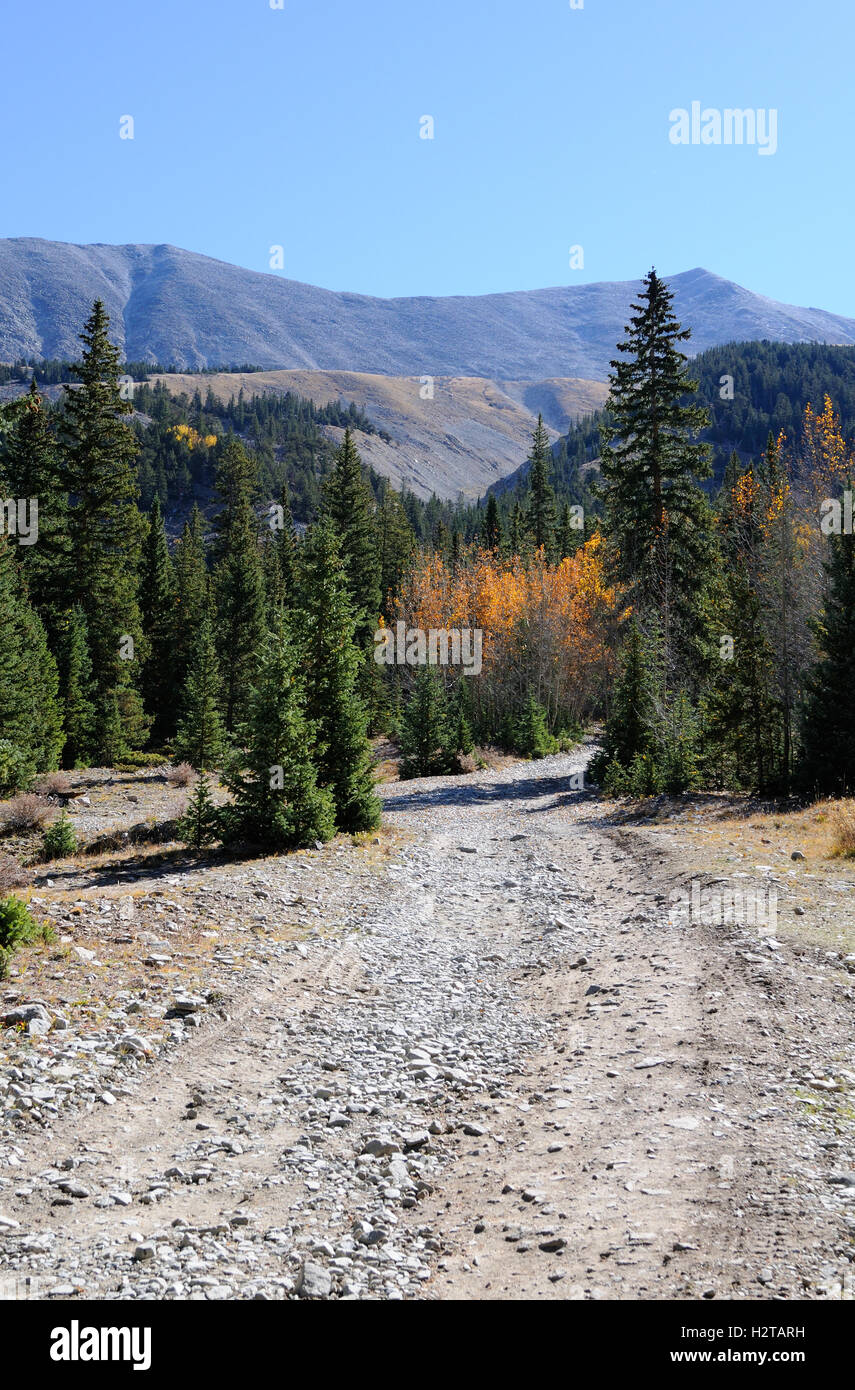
<point>192,311</point>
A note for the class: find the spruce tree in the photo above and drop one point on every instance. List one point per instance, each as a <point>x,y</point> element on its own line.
<point>192,597</point>
<point>279,557</point>
<point>568,537</point>
<point>31,469</point>
<point>105,529</point>
<point>541,503</point>
<point>657,519</point>
<point>426,733</point>
<point>396,542</point>
<point>200,823</point>
<point>200,739</point>
<point>633,719</point>
<point>492,525</point>
<point>515,538</point>
<point>238,580</point>
<point>349,505</point>
<point>157,600</point>
<point>332,662</point>
<point>739,711</point>
<point>30,716</point>
<point>78,692</point>
<point>277,802</point>
<point>828,722</point>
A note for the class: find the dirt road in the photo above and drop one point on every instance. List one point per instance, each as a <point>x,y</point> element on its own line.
<point>506,1071</point>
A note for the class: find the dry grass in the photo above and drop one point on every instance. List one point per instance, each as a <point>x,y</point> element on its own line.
<point>181,775</point>
<point>12,875</point>
<point>842,818</point>
<point>24,812</point>
<point>53,784</point>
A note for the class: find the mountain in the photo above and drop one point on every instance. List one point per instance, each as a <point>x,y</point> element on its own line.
<point>179,308</point>
<point>772,385</point>
<point>471,433</point>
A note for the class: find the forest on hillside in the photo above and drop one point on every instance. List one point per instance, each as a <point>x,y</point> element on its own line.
<point>701,606</point>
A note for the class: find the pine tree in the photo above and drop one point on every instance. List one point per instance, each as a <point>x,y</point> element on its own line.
<point>426,736</point>
<point>531,734</point>
<point>740,716</point>
<point>200,824</point>
<point>31,469</point>
<point>657,518</point>
<point>200,739</point>
<point>349,505</point>
<point>277,802</point>
<point>238,580</point>
<point>569,537</point>
<point>541,504</point>
<point>279,557</point>
<point>632,723</point>
<point>78,692</point>
<point>396,542</point>
<point>192,598</point>
<point>828,723</point>
<point>332,663</point>
<point>492,525</point>
<point>157,600</point>
<point>105,529</point>
<point>515,540</point>
<point>30,716</point>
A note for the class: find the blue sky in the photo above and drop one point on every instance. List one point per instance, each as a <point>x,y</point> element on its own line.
<point>299,127</point>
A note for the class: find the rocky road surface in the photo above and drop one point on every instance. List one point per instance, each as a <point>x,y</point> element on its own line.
<point>496,1069</point>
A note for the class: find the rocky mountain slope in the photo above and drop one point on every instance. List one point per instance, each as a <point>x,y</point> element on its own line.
<point>471,433</point>
<point>179,308</point>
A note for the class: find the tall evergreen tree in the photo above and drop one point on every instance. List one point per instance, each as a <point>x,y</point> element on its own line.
<point>192,597</point>
<point>740,715</point>
<point>331,663</point>
<point>238,578</point>
<point>105,529</point>
<point>396,542</point>
<point>30,716</point>
<point>31,469</point>
<point>631,726</point>
<point>828,723</point>
<point>279,557</point>
<point>515,537</point>
<point>157,598</point>
<point>78,692</point>
<point>492,525</point>
<point>427,737</point>
<point>349,505</point>
<point>201,738</point>
<point>276,798</point>
<point>657,518</point>
<point>541,504</point>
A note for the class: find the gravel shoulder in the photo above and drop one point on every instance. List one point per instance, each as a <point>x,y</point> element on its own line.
<point>473,1057</point>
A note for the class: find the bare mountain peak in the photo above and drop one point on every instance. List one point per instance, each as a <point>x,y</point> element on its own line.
<point>178,307</point>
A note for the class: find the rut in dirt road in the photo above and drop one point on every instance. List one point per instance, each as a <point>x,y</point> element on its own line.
<point>499,1078</point>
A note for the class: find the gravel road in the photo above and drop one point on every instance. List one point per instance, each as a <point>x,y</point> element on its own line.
<point>496,1069</point>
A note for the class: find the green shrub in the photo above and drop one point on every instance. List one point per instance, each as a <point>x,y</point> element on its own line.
<point>16,769</point>
<point>531,734</point>
<point>643,777</point>
<point>200,823</point>
<point>59,840</point>
<point>17,925</point>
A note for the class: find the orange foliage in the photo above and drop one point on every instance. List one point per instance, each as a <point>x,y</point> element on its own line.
<point>545,627</point>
